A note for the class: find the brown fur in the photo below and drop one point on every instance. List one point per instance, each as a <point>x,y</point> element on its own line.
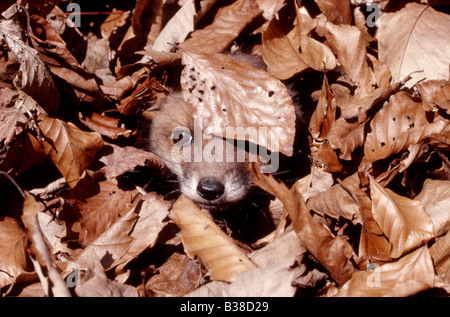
<point>234,175</point>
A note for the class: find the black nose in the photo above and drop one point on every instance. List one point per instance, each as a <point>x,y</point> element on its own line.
<point>210,188</point>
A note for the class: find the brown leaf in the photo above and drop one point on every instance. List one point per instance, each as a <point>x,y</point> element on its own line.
<point>346,137</point>
<point>400,123</point>
<point>410,275</point>
<point>204,239</point>
<point>435,197</point>
<point>349,45</point>
<point>12,250</point>
<point>176,277</point>
<point>412,48</point>
<point>70,149</point>
<point>50,278</point>
<point>111,245</point>
<point>96,284</point>
<point>146,230</point>
<point>98,205</point>
<point>334,253</point>
<point>279,53</point>
<point>275,280</point>
<point>435,95</point>
<point>63,65</point>
<point>289,53</point>
<point>227,25</point>
<point>106,126</point>
<point>324,115</point>
<point>339,200</point>
<point>33,77</point>
<point>119,160</point>
<point>404,221</point>
<point>223,93</point>
<point>325,158</point>
<point>177,29</point>
<point>336,11</point>
<point>440,253</point>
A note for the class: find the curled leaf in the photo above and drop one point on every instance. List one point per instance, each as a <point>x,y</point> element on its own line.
<point>33,77</point>
<point>403,220</point>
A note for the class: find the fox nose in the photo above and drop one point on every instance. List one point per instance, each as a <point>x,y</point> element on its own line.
<point>210,188</point>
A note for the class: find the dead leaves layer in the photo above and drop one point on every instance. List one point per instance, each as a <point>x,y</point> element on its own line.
<point>373,212</point>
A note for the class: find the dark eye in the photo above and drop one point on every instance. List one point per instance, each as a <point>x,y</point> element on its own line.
<point>181,136</point>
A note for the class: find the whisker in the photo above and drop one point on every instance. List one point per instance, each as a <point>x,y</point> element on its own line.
<point>282,172</point>
<point>173,191</point>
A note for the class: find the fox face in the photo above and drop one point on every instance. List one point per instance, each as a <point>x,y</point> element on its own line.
<point>211,170</point>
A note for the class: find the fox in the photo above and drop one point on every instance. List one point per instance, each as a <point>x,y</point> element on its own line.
<point>214,184</point>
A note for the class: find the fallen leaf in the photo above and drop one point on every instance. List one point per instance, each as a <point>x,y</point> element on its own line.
<point>337,12</point>
<point>204,239</point>
<point>435,95</point>
<point>119,160</point>
<point>227,25</point>
<point>412,47</point>
<point>177,29</point>
<point>223,93</point>
<point>274,280</point>
<point>348,43</point>
<point>12,251</point>
<point>339,200</point>
<point>33,76</point>
<point>398,124</point>
<point>70,149</point>
<point>435,197</point>
<point>178,276</point>
<point>49,276</point>
<point>96,284</point>
<point>334,253</point>
<point>403,220</point>
<point>408,276</point>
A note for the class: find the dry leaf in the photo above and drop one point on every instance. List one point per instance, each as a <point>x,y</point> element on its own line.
<point>339,200</point>
<point>96,284</point>
<point>404,221</point>
<point>125,159</point>
<point>435,95</point>
<point>176,30</point>
<point>412,47</point>
<point>274,280</point>
<point>224,93</point>
<point>336,11</point>
<point>178,276</point>
<point>324,115</point>
<point>440,253</point>
<point>408,276</point>
<point>400,123</point>
<point>279,53</point>
<point>70,149</point>
<point>346,137</point>
<point>287,54</point>
<point>204,239</point>
<point>49,276</point>
<point>334,253</point>
<point>98,204</point>
<point>349,45</point>
<point>12,250</point>
<point>435,197</point>
<point>227,25</point>
<point>33,76</point>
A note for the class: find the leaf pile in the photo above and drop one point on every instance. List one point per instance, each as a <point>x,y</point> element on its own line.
<point>370,218</point>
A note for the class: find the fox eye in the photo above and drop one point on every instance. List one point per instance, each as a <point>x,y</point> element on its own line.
<point>181,136</point>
